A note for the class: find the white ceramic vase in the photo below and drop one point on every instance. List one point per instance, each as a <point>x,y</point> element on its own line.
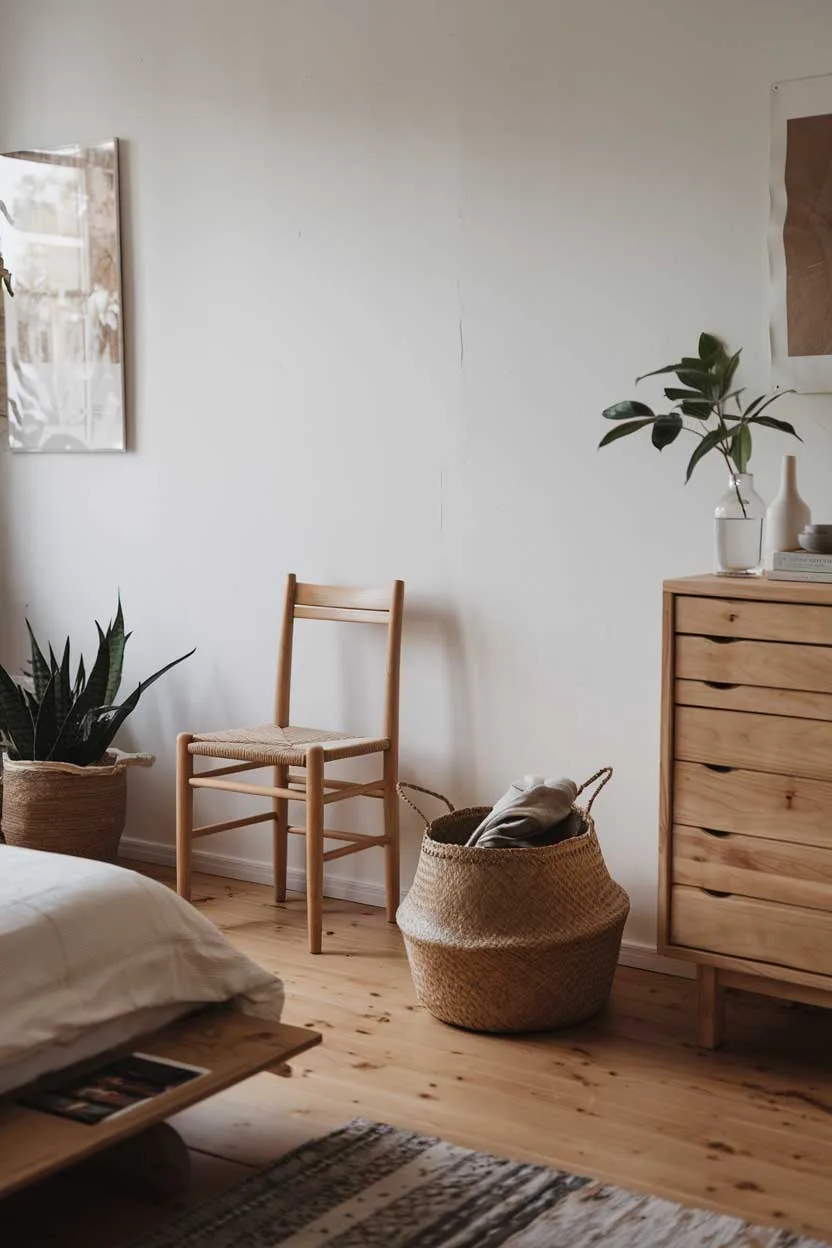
<point>788,514</point>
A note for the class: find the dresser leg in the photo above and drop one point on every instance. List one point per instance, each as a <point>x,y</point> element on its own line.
<point>711,1007</point>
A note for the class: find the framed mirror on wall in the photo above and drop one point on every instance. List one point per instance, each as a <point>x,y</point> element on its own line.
<point>63,341</point>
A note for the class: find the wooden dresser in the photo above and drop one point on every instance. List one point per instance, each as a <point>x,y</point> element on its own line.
<point>746,793</point>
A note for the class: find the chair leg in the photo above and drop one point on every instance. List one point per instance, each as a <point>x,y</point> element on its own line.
<point>184,814</point>
<point>281,833</point>
<point>391,831</point>
<point>314,845</point>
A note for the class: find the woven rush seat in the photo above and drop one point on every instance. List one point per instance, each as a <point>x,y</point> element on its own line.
<point>275,746</point>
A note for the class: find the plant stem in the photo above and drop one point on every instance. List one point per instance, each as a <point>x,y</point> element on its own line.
<point>732,469</point>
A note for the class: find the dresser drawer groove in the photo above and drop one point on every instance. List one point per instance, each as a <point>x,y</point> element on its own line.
<point>780,808</point>
<point>759,931</point>
<point>754,621</point>
<point>772,665</point>
<point>766,743</point>
<point>793,703</point>
<point>750,866</point>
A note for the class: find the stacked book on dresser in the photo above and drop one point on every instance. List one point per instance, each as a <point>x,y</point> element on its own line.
<point>800,565</point>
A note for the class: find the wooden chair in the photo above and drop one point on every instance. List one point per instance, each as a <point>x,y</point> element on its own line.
<point>282,745</point>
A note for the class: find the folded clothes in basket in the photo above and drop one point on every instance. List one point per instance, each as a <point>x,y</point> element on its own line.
<point>532,812</point>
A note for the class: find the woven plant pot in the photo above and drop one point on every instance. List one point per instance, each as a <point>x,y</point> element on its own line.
<point>65,809</point>
<point>510,940</point>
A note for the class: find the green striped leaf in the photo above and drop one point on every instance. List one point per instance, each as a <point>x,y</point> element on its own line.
<point>116,641</point>
<point>16,724</point>
<point>40,668</point>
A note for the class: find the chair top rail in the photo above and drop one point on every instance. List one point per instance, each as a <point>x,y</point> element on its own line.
<point>347,597</point>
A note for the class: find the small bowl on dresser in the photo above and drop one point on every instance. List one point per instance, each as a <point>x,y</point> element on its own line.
<point>817,539</point>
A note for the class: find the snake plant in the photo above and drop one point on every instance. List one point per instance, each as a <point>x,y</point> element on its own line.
<point>53,717</point>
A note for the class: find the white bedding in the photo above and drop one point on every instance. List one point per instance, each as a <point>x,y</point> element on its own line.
<point>86,945</point>
<point>90,1043</point>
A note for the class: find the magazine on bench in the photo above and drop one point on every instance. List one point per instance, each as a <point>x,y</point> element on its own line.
<point>120,1085</point>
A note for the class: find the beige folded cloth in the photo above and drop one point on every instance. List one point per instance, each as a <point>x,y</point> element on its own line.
<point>533,811</point>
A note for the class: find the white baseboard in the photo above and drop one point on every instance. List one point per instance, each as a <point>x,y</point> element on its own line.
<point>255,871</point>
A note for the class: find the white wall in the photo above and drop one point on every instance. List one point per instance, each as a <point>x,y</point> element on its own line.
<point>387,260</point>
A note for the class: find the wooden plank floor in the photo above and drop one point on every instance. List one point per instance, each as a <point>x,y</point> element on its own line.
<point>627,1097</point>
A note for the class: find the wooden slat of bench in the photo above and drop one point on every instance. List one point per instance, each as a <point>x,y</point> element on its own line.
<point>232,1046</point>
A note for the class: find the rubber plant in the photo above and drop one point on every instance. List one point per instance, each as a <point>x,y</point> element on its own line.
<point>55,717</point>
<point>707,397</point>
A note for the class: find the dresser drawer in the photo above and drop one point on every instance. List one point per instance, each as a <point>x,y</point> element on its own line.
<point>760,931</point>
<point>801,747</point>
<point>781,808</point>
<point>773,665</point>
<point>752,867</point>
<point>756,621</point>
<point>794,703</point>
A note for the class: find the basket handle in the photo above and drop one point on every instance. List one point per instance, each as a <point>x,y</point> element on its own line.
<point>400,789</point>
<point>606,773</point>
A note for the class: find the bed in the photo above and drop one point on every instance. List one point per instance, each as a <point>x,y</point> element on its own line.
<point>94,957</point>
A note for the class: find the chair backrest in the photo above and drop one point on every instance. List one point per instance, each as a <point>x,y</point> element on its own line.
<point>350,605</point>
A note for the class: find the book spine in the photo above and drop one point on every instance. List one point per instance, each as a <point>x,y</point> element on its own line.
<point>800,561</point>
<point>820,578</point>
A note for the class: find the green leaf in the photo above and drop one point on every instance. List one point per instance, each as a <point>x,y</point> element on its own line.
<point>16,724</point>
<point>728,375</point>
<point>40,668</point>
<point>771,422</point>
<point>701,410</point>
<point>707,444</point>
<point>116,641</point>
<point>702,383</point>
<point>709,347</point>
<point>62,687</point>
<point>70,738</point>
<point>46,726</point>
<point>681,395</point>
<point>80,679</point>
<point>621,431</point>
<point>626,410</point>
<point>65,690</point>
<point>741,448</point>
<point>754,409</point>
<point>666,429</point>
<point>658,372</point>
<point>93,694</point>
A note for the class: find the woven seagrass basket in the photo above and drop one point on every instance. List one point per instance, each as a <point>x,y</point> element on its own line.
<point>65,809</point>
<point>512,939</point>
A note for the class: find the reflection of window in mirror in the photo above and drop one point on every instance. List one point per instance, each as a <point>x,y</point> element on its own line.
<point>64,332</point>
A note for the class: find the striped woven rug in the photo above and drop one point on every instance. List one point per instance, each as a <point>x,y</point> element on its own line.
<point>371,1185</point>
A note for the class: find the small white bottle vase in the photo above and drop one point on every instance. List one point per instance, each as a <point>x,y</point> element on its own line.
<point>788,514</point>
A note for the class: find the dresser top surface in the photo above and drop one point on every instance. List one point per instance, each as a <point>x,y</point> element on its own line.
<point>751,588</point>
